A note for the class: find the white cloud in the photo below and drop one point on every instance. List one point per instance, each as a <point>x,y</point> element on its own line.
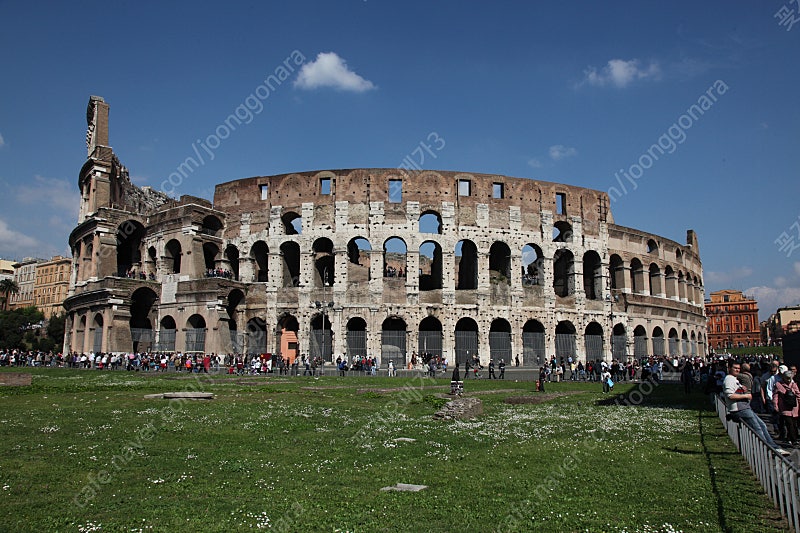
<point>620,73</point>
<point>726,278</point>
<point>47,193</point>
<point>330,70</point>
<point>14,244</point>
<point>2,141</point>
<point>534,163</point>
<point>771,298</point>
<point>559,152</point>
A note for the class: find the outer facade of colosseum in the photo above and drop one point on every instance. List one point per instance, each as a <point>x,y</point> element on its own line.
<point>373,262</point>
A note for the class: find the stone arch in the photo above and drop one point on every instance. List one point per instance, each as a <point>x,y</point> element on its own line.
<point>639,341</point>
<point>259,253</point>
<point>616,273</point>
<point>234,299</point>
<point>290,252</point>
<point>562,231</point>
<point>152,260</point>
<point>564,273</point>
<point>324,264</point>
<point>500,340</point>
<point>167,329</point>
<point>593,341</point>
<point>656,285</point>
<point>430,338</point>
<point>681,286</point>
<point>256,336</point>
<point>210,254</point>
<point>466,265</point>
<point>286,339</point>
<point>670,281</point>
<point>651,247</point>
<point>129,243</point>
<point>674,342</point>
<point>658,341</point>
<point>684,343</point>
<point>292,223</point>
<point>532,265</point>
<point>500,263</point>
<point>173,253</point>
<point>358,256</point>
<point>393,341</point>
<point>394,258</point>
<point>430,266</point>
<point>232,255</point>
<point>356,337</point>
<point>196,334</point>
<point>592,275</point>
<point>211,225</point>
<point>565,340</point>
<point>637,276</point>
<point>619,342</point>
<point>322,332</point>
<point>97,327</point>
<point>466,337</point>
<point>143,300</point>
<point>533,343</point>
<point>430,221</point>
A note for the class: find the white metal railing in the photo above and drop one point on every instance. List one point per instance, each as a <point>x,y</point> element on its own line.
<point>779,477</point>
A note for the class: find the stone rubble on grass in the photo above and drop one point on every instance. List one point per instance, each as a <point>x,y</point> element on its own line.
<point>180,396</point>
<point>404,439</point>
<point>460,409</point>
<point>406,487</point>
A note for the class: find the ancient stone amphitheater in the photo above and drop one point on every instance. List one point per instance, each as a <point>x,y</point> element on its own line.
<point>376,262</point>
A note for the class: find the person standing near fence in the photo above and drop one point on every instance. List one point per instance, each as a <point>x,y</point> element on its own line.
<point>784,400</point>
<point>737,401</point>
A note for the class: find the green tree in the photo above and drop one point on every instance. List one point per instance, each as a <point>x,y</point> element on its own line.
<point>13,326</point>
<point>7,288</point>
<point>55,332</point>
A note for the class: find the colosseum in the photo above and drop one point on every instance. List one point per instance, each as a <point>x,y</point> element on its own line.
<point>378,262</point>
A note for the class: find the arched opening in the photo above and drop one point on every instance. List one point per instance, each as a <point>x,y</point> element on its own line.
<point>210,253</point>
<point>80,335</point>
<point>637,276</point>
<point>430,338</point>
<point>286,337</point>
<point>674,343</point>
<point>292,223</point>
<point>394,258</point>
<point>152,268</point>
<point>565,340</point>
<point>232,255</point>
<point>430,222</point>
<point>532,265</point>
<point>466,340</point>
<point>656,287</point>
<point>324,267</point>
<point>166,334</point>
<point>500,340</point>
<point>658,341</point>
<point>430,266</point>
<point>393,342</point>
<point>533,344</point>
<point>321,333</point>
<point>693,344</point>
<point>592,275</point>
<point>670,282</point>
<point>129,242</point>
<point>256,337</point>
<point>563,273</point>
<point>356,338</point>
<point>616,272</point>
<point>97,326</point>
<point>619,342</point>
<point>684,343</point>
<point>681,286</point>
<point>290,251</point>
<point>358,256</point>
<point>593,341</point>
<point>196,334</point>
<point>652,247</point>
<point>142,318</point>
<point>466,260</point>
<point>172,253</point>
<point>259,253</point>
<point>500,264</point>
<point>211,226</point>
<point>235,298</point>
<point>639,342</point>
<point>562,232</point>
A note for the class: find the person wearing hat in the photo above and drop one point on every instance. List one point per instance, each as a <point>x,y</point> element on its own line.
<point>775,371</point>
<point>785,399</point>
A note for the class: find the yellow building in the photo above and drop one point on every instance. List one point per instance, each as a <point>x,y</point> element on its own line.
<point>51,286</point>
<point>25,276</point>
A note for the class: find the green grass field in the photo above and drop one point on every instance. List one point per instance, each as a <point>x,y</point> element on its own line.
<point>85,451</point>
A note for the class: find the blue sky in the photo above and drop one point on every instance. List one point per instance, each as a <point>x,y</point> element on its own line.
<point>571,92</point>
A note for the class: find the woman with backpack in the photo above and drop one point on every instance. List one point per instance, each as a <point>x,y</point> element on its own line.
<point>785,402</point>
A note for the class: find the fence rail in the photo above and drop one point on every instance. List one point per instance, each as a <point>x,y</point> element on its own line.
<point>779,477</point>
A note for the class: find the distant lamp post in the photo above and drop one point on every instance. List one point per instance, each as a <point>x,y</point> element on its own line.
<point>323,307</point>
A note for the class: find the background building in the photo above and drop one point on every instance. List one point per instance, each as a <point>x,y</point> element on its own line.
<point>373,262</point>
<point>52,285</point>
<point>732,320</point>
<point>25,276</point>
<point>785,321</point>
<point>6,269</point>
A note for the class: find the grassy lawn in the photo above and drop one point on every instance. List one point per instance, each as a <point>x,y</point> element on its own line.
<point>85,451</point>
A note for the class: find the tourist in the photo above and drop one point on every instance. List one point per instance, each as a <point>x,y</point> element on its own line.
<point>784,400</point>
<point>491,369</point>
<point>542,377</point>
<point>502,367</point>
